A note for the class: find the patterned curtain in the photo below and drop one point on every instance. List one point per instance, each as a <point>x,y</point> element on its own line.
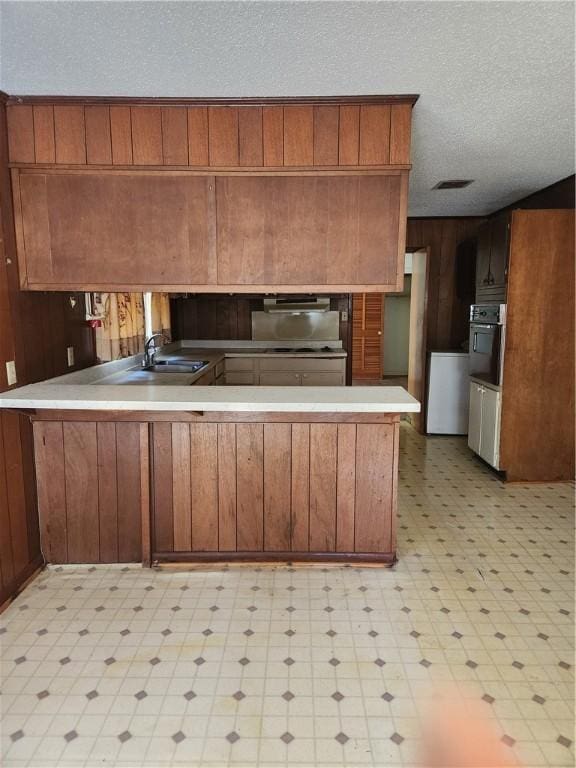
<point>122,315</point>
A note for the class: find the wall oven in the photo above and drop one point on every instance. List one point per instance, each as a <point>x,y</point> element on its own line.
<point>487,330</point>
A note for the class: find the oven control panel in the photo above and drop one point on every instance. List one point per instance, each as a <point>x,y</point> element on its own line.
<point>492,314</point>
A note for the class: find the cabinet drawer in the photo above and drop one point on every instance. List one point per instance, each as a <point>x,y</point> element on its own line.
<point>280,379</point>
<point>322,379</point>
<point>240,377</point>
<point>301,364</point>
<point>240,363</point>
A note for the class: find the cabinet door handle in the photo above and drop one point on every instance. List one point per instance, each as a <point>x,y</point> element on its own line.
<point>474,341</point>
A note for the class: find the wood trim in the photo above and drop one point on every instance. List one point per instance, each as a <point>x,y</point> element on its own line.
<point>214,416</point>
<point>207,170</point>
<point>19,228</point>
<point>210,287</point>
<point>408,98</point>
<point>402,228</point>
<point>275,557</point>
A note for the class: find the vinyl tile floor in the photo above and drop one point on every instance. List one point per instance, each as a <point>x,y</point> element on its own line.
<point>120,666</point>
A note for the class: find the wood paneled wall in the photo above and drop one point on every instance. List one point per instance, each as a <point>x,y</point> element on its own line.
<point>34,332</point>
<point>211,135</point>
<point>447,315</point>
<point>537,434</point>
<point>20,552</point>
<point>275,487</point>
<point>92,487</point>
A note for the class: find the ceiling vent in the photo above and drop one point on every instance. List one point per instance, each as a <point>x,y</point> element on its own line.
<point>453,184</point>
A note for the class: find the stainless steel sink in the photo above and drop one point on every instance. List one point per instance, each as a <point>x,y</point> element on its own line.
<point>181,366</point>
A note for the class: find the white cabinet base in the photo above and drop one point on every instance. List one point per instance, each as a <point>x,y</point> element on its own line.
<point>484,423</point>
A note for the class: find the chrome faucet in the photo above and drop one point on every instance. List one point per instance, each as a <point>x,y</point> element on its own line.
<point>150,354</point>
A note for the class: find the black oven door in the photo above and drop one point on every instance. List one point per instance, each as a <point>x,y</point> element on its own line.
<point>485,352</point>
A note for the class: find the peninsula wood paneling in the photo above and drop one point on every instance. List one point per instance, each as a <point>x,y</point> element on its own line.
<point>121,135</point>
<point>89,490</point>
<point>291,135</point>
<point>44,140</point>
<point>70,135</point>
<point>274,487</point>
<point>98,136</point>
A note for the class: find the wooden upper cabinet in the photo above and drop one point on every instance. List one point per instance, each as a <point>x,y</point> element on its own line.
<point>112,231</point>
<point>276,195</point>
<point>309,231</point>
<point>328,133</point>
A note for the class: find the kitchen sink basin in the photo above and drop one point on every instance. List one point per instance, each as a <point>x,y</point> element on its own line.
<point>181,366</point>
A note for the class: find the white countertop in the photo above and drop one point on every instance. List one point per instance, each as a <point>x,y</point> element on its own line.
<point>101,397</point>
<point>95,388</point>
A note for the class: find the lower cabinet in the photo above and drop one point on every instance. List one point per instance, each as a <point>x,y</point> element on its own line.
<point>242,490</point>
<point>484,423</point>
<point>279,379</point>
<point>285,371</point>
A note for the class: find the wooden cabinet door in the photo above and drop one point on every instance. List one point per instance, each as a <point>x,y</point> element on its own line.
<point>499,246</point>
<point>367,319</point>
<point>311,232</point>
<point>102,230</point>
<point>483,256</point>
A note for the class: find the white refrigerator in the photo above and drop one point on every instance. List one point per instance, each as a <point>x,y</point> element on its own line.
<point>448,393</point>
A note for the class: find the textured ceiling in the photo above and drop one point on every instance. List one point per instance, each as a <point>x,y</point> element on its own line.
<point>496,79</point>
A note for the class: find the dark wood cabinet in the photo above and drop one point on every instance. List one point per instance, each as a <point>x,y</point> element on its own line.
<point>278,195</point>
<point>492,259</point>
<point>483,256</point>
<point>499,249</point>
<point>312,232</point>
<point>174,231</point>
<point>107,231</point>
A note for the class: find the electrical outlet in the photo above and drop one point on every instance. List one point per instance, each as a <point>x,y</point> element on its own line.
<point>70,353</point>
<point>11,373</point>
<point>344,316</point>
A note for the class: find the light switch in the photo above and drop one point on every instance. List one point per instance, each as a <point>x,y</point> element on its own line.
<point>70,353</point>
<point>11,372</point>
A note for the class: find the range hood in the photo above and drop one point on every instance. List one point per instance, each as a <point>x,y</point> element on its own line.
<point>292,305</point>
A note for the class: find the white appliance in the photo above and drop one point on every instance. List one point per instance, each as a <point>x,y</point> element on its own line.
<point>448,393</point>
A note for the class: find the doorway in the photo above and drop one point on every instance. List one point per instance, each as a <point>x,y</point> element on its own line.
<point>389,334</point>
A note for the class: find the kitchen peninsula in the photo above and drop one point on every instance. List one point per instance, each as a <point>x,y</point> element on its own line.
<point>162,471</point>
